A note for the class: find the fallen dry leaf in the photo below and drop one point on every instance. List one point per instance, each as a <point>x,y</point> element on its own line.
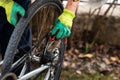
<point>107,61</point>
<point>66,64</point>
<point>115,59</point>
<point>86,56</point>
<point>78,72</point>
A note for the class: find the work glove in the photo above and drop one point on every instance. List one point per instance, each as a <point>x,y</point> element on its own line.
<point>12,9</point>
<point>63,24</point>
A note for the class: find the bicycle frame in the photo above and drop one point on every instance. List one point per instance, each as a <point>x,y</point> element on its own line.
<point>43,67</point>
<point>32,73</point>
<point>36,71</point>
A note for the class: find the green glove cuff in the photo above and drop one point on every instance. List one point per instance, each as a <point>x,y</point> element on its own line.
<point>67,17</point>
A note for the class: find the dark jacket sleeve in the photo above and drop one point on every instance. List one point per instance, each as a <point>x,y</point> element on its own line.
<point>24,3</point>
<point>6,30</point>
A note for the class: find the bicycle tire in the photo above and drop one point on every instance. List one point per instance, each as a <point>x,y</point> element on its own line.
<point>18,31</point>
<point>59,63</point>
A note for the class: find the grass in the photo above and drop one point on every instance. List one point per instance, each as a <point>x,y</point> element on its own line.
<point>74,76</point>
<point>65,75</point>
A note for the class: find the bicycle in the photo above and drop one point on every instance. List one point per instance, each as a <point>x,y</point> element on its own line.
<point>46,52</point>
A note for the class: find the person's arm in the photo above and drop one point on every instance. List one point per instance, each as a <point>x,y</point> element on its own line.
<point>12,8</point>
<point>69,13</point>
<point>65,20</point>
<point>72,5</point>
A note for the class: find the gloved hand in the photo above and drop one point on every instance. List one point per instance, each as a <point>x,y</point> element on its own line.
<point>12,9</point>
<point>63,24</point>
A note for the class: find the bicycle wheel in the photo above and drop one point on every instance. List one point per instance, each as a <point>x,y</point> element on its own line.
<point>52,55</point>
<point>48,10</point>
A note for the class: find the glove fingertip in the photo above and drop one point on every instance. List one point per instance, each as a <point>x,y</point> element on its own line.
<point>53,32</point>
<point>22,12</point>
<point>13,21</point>
<point>68,34</point>
<point>20,9</point>
<point>62,37</point>
<point>58,37</point>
